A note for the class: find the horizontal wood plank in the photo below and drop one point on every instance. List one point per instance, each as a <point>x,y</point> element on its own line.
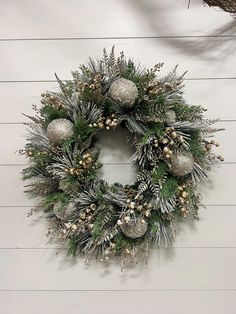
<point>104,302</point>
<point>173,269</point>
<point>43,19</point>
<point>39,60</point>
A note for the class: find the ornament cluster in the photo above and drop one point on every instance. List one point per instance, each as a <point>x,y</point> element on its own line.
<point>171,148</point>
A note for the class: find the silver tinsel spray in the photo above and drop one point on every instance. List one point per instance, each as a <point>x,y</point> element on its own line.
<point>182,164</point>
<point>134,228</point>
<point>59,130</point>
<point>124,91</point>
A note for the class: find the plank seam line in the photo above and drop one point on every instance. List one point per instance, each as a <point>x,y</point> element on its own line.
<point>105,164</point>
<point>22,123</point>
<point>118,290</point>
<point>115,38</point>
<point>32,206</point>
<point>158,248</point>
<point>54,81</point>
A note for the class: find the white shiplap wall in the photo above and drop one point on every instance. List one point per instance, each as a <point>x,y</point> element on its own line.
<point>38,38</point>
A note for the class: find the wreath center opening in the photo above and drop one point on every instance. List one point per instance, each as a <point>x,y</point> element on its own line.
<point>115,156</point>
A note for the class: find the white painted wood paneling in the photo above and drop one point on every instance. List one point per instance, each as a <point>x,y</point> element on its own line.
<point>115,301</point>
<point>110,18</point>
<point>42,37</point>
<point>167,269</point>
<point>38,60</point>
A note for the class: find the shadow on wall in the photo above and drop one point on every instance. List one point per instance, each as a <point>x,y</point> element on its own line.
<point>160,257</point>
<point>160,21</point>
<point>124,270</point>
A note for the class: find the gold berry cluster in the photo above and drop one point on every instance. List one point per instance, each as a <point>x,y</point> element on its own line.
<point>84,222</point>
<point>156,87</point>
<point>110,250</point>
<point>86,217</point>
<point>32,153</point>
<point>27,152</point>
<point>182,199</point>
<point>208,146</point>
<point>167,141</point>
<point>106,123</point>
<point>84,164</point>
<point>134,203</point>
<point>69,228</point>
<point>95,83</point>
<point>86,161</point>
<point>49,99</point>
<point>134,206</point>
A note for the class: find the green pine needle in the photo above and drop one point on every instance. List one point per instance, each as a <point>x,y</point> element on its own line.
<point>169,188</point>
<point>159,172</point>
<point>72,247</point>
<point>195,145</point>
<point>187,112</point>
<point>52,199</point>
<point>51,113</point>
<point>83,130</point>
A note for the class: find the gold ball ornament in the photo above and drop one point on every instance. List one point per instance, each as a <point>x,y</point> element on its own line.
<point>64,211</point>
<point>124,91</point>
<point>134,228</point>
<point>60,130</point>
<point>184,194</point>
<point>182,164</point>
<point>183,209</point>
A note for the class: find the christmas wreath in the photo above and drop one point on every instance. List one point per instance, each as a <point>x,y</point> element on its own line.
<point>172,148</point>
<point>226,5</point>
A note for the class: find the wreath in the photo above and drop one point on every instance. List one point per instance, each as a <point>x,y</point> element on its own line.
<point>172,148</point>
<point>226,5</point>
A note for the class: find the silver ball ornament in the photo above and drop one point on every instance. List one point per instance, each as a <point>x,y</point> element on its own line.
<point>182,164</point>
<point>134,228</point>
<point>60,130</point>
<point>124,91</point>
<point>170,116</point>
<point>64,211</point>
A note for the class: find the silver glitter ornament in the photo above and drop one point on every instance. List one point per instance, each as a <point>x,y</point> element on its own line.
<point>170,116</point>
<point>124,91</point>
<point>60,130</point>
<point>134,228</point>
<point>182,164</point>
<point>64,211</point>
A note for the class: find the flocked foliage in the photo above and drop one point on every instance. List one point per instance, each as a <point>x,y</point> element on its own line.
<point>90,214</point>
